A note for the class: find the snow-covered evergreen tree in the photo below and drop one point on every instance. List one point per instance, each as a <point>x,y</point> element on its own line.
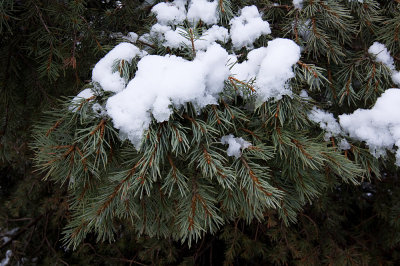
<point>245,120</point>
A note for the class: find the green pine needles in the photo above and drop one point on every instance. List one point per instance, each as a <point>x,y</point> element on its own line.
<point>181,184</point>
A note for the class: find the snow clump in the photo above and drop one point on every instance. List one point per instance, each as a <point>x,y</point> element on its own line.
<point>204,11</point>
<point>298,4</point>
<point>236,145</point>
<point>383,56</point>
<point>174,39</point>
<point>271,67</point>
<point>248,27</point>
<point>102,72</point>
<point>379,127</point>
<point>277,68</point>
<point>248,70</point>
<point>326,122</point>
<point>170,13</point>
<point>244,31</point>
<point>163,82</point>
<point>344,145</point>
<point>83,95</point>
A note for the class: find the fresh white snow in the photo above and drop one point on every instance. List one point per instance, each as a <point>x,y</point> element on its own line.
<point>203,10</point>
<point>298,4</point>
<point>174,13</point>
<point>174,38</point>
<point>303,94</point>
<point>248,27</point>
<point>162,83</point>
<point>165,81</point>
<point>396,77</point>
<point>236,145</point>
<point>383,56</point>
<point>170,12</point>
<point>344,144</point>
<point>277,68</point>
<point>379,127</point>
<point>249,69</point>
<point>83,95</point>
<point>131,37</point>
<point>271,66</point>
<point>326,121</point>
<point>102,72</point>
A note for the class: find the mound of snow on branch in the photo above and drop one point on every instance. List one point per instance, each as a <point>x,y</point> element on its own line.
<point>170,13</point>
<point>102,72</point>
<point>174,38</point>
<point>326,121</point>
<point>174,13</point>
<point>383,56</point>
<point>248,27</point>
<point>204,11</point>
<point>236,145</point>
<point>379,127</point>
<point>277,68</point>
<point>248,70</point>
<point>165,81</point>
<point>271,67</point>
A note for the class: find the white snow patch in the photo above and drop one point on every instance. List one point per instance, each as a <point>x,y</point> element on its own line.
<point>203,10</point>
<point>213,34</point>
<point>174,39</point>
<point>131,37</point>
<point>236,145</point>
<point>379,127</point>
<point>396,77</point>
<point>344,145</point>
<point>249,69</point>
<point>248,27</point>
<point>276,69</point>
<point>326,121</point>
<point>298,4</point>
<point>102,72</point>
<point>170,12</point>
<point>303,94</point>
<point>83,95</point>
<point>164,81</point>
<point>383,56</point>
<point>6,260</point>
<point>271,67</point>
